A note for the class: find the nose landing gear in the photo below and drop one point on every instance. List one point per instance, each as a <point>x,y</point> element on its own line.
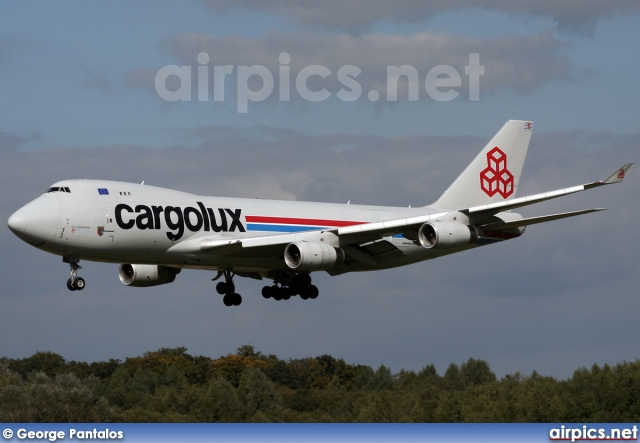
<point>74,283</point>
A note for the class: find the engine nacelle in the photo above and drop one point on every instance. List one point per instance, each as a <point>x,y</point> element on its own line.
<point>147,275</point>
<point>440,234</point>
<point>312,256</point>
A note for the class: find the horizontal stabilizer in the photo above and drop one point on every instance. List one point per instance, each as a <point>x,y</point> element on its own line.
<point>502,226</point>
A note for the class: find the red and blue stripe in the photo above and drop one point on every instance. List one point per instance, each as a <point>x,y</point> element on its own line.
<point>293,224</point>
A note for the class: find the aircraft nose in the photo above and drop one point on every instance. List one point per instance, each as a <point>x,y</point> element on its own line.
<point>37,221</point>
<point>17,222</point>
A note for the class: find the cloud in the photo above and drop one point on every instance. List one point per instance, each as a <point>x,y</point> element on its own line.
<point>10,141</point>
<point>579,16</point>
<point>141,77</point>
<point>4,43</point>
<point>8,45</point>
<point>518,63</point>
<point>12,46</point>
<point>95,80</point>
<point>240,161</point>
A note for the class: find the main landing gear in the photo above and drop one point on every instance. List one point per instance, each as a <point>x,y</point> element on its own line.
<point>228,288</point>
<point>283,288</point>
<point>300,285</point>
<point>74,283</point>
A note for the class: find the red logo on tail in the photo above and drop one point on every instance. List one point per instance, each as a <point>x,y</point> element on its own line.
<point>621,173</point>
<point>496,178</point>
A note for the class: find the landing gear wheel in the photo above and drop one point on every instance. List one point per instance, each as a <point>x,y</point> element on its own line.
<point>231,298</point>
<point>74,283</point>
<point>267,292</point>
<point>313,292</point>
<point>305,280</point>
<point>79,284</point>
<point>225,287</point>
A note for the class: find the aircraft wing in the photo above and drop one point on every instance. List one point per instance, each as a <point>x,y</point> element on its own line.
<point>408,227</point>
<point>234,245</point>
<point>478,213</point>
<point>494,208</point>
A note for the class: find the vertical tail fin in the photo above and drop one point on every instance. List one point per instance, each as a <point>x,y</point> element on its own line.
<point>494,174</point>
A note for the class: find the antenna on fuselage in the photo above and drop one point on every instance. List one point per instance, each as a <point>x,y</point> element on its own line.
<point>142,182</point>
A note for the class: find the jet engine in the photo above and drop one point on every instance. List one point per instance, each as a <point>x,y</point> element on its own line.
<point>147,275</point>
<point>312,256</point>
<point>440,234</point>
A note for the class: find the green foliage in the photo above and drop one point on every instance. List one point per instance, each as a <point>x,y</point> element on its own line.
<point>476,372</point>
<point>259,395</point>
<point>170,385</point>
<point>40,398</point>
<point>219,401</point>
<point>47,362</point>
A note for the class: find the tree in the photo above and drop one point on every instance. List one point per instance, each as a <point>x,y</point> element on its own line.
<point>219,402</point>
<point>259,394</point>
<point>248,351</point>
<point>541,402</point>
<point>476,372</point>
<point>382,379</point>
<point>453,378</point>
<point>232,366</point>
<point>48,362</point>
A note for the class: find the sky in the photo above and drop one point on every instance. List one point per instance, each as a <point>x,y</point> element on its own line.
<point>136,91</point>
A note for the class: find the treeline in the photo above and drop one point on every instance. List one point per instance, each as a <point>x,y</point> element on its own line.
<point>170,385</point>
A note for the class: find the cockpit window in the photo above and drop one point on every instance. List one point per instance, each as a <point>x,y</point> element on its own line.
<point>58,189</point>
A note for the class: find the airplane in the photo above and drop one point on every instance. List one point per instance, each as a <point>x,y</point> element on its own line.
<point>154,233</point>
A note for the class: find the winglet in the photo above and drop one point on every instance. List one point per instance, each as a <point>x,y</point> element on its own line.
<point>616,177</point>
<point>619,175</point>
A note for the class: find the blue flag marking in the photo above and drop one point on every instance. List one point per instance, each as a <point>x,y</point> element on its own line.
<point>103,191</point>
